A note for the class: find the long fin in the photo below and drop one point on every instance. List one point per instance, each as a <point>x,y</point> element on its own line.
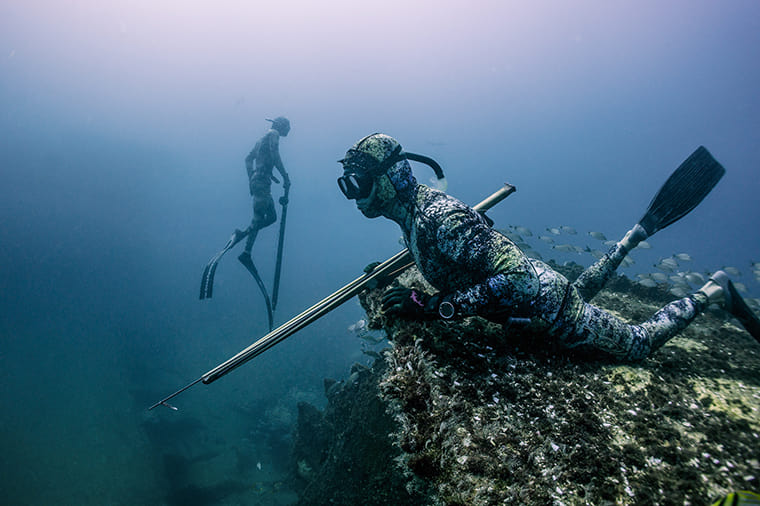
<point>683,191</point>
<point>207,279</point>
<point>248,263</point>
<point>743,313</point>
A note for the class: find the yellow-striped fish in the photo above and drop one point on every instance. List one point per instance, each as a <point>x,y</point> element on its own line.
<point>740,498</point>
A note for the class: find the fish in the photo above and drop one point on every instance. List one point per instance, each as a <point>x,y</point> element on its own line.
<point>647,282</point>
<point>695,278</point>
<point>679,291</point>
<point>733,271</point>
<point>598,235</point>
<point>667,264</point>
<point>627,261</point>
<point>546,239</point>
<point>644,245</point>
<point>514,237</point>
<point>659,277</point>
<point>740,498</point>
<point>553,230</point>
<point>524,231</point>
<point>683,256</point>
<point>680,281</point>
<point>740,286</point>
<point>358,327</point>
<point>571,230</point>
<point>564,247</point>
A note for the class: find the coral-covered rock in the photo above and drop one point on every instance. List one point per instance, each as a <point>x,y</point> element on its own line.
<point>479,418</point>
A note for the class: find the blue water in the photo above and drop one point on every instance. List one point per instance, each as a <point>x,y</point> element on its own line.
<point>123,131</point>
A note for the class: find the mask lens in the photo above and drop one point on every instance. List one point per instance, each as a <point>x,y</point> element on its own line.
<point>355,186</point>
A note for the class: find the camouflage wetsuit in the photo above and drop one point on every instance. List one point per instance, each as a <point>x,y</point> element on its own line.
<point>481,272</point>
<point>266,153</point>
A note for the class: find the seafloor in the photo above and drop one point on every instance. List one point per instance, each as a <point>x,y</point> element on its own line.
<point>454,413</point>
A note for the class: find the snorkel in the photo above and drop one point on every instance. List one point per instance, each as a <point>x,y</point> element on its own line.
<point>377,155</point>
<point>440,182</point>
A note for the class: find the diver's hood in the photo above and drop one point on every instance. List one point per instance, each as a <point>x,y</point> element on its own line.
<point>379,154</point>
<point>281,124</point>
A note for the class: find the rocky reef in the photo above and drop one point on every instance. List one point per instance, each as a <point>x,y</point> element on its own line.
<point>457,413</point>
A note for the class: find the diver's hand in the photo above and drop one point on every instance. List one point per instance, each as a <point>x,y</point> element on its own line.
<point>371,267</point>
<point>410,304</point>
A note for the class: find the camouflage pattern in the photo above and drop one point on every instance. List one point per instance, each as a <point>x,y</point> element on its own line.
<point>483,273</point>
<point>595,277</point>
<point>371,151</point>
<point>266,155</point>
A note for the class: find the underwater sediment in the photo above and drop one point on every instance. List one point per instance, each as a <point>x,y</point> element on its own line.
<point>456,413</point>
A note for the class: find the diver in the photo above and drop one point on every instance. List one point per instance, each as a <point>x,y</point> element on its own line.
<point>480,272</point>
<point>266,155</point>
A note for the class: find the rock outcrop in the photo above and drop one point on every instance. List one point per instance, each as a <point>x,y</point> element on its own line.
<point>456,413</point>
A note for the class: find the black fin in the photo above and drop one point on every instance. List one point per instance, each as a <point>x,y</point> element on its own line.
<point>683,191</point>
<point>248,263</point>
<point>743,313</point>
<point>207,280</point>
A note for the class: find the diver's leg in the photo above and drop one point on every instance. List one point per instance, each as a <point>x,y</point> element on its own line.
<point>264,214</point>
<point>597,330</point>
<point>595,277</point>
<point>269,213</point>
<point>253,228</point>
<point>672,319</point>
<point>721,290</point>
<point>253,231</point>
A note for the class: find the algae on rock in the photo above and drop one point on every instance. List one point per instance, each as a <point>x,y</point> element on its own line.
<point>478,418</point>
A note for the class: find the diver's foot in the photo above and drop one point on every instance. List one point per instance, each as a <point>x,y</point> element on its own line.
<point>633,237</point>
<point>735,304</point>
<point>238,234</point>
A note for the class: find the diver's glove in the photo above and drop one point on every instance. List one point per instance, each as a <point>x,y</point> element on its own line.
<point>416,305</point>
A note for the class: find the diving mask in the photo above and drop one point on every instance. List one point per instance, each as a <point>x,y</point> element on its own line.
<point>355,186</point>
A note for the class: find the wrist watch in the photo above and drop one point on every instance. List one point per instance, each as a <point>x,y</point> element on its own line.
<point>446,310</point>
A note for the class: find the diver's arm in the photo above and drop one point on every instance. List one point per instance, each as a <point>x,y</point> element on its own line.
<point>274,148</point>
<point>508,277</point>
<point>249,166</point>
<point>492,296</point>
<point>478,300</point>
